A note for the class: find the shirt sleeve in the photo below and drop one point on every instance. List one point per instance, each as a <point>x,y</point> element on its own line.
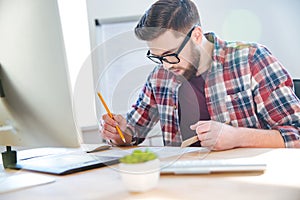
<point>277,105</point>
<point>144,114</point>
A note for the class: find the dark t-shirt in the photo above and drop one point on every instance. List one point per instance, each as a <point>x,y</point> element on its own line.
<point>192,106</point>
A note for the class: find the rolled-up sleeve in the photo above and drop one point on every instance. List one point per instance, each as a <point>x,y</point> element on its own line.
<point>276,101</point>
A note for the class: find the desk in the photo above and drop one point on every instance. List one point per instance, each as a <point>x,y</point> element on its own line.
<point>281,180</point>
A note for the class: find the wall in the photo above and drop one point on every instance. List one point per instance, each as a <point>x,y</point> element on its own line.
<point>275,24</point>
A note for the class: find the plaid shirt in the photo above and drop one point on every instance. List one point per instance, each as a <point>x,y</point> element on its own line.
<point>245,85</point>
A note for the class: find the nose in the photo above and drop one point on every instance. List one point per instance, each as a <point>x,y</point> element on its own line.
<point>167,66</point>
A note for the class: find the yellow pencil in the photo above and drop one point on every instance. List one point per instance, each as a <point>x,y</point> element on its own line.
<point>111,116</point>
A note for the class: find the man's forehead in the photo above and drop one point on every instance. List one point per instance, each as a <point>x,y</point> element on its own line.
<point>165,42</point>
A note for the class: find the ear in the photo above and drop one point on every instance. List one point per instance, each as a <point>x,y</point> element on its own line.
<point>197,35</point>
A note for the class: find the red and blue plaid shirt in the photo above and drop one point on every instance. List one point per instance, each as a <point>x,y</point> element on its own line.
<point>245,85</point>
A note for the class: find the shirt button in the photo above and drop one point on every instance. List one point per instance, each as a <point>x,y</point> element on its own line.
<point>175,107</point>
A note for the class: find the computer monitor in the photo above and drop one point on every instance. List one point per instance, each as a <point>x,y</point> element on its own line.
<point>36,107</point>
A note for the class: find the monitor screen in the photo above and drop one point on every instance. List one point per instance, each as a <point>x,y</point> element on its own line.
<point>36,107</point>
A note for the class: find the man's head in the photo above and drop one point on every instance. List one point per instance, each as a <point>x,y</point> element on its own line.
<point>168,27</point>
<point>176,15</point>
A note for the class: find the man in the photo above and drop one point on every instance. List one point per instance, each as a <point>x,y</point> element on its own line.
<point>229,94</point>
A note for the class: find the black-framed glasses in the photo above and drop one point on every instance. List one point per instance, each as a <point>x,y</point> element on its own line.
<point>172,58</point>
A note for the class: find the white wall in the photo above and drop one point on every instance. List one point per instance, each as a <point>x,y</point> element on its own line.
<point>273,23</point>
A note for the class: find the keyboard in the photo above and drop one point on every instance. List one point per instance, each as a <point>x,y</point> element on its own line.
<point>211,166</point>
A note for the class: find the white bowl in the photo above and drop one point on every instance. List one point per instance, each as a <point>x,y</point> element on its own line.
<point>140,177</point>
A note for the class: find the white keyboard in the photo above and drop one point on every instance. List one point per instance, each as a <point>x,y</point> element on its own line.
<point>211,166</point>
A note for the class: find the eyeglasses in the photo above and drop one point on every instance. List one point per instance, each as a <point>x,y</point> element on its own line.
<point>173,57</point>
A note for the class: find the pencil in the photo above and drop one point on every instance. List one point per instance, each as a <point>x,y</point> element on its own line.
<point>111,116</point>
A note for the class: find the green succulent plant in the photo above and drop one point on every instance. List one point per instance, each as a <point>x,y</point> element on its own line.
<point>138,156</point>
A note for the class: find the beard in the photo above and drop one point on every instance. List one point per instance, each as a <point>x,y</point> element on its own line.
<point>191,70</point>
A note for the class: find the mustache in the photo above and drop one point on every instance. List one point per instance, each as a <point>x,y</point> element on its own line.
<point>176,68</point>
<point>181,68</point>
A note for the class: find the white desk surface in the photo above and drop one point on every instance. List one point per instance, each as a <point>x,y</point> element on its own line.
<point>281,180</point>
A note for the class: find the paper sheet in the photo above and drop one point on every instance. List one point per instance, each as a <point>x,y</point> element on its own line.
<point>9,183</point>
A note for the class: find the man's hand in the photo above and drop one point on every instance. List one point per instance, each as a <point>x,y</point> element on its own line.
<point>215,135</point>
<point>220,136</point>
<point>109,132</point>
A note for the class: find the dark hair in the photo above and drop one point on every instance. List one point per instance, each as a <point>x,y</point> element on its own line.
<point>177,15</point>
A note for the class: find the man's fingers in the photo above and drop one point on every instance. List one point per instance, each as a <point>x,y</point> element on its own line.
<point>194,126</point>
<point>204,128</point>
<point>208,143</point>
<point>203,137</point>
<point>109,128</point>
<point>118,118</point>
<point>108,135</point>
<point>108,120</point>
<point>199,123</point>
